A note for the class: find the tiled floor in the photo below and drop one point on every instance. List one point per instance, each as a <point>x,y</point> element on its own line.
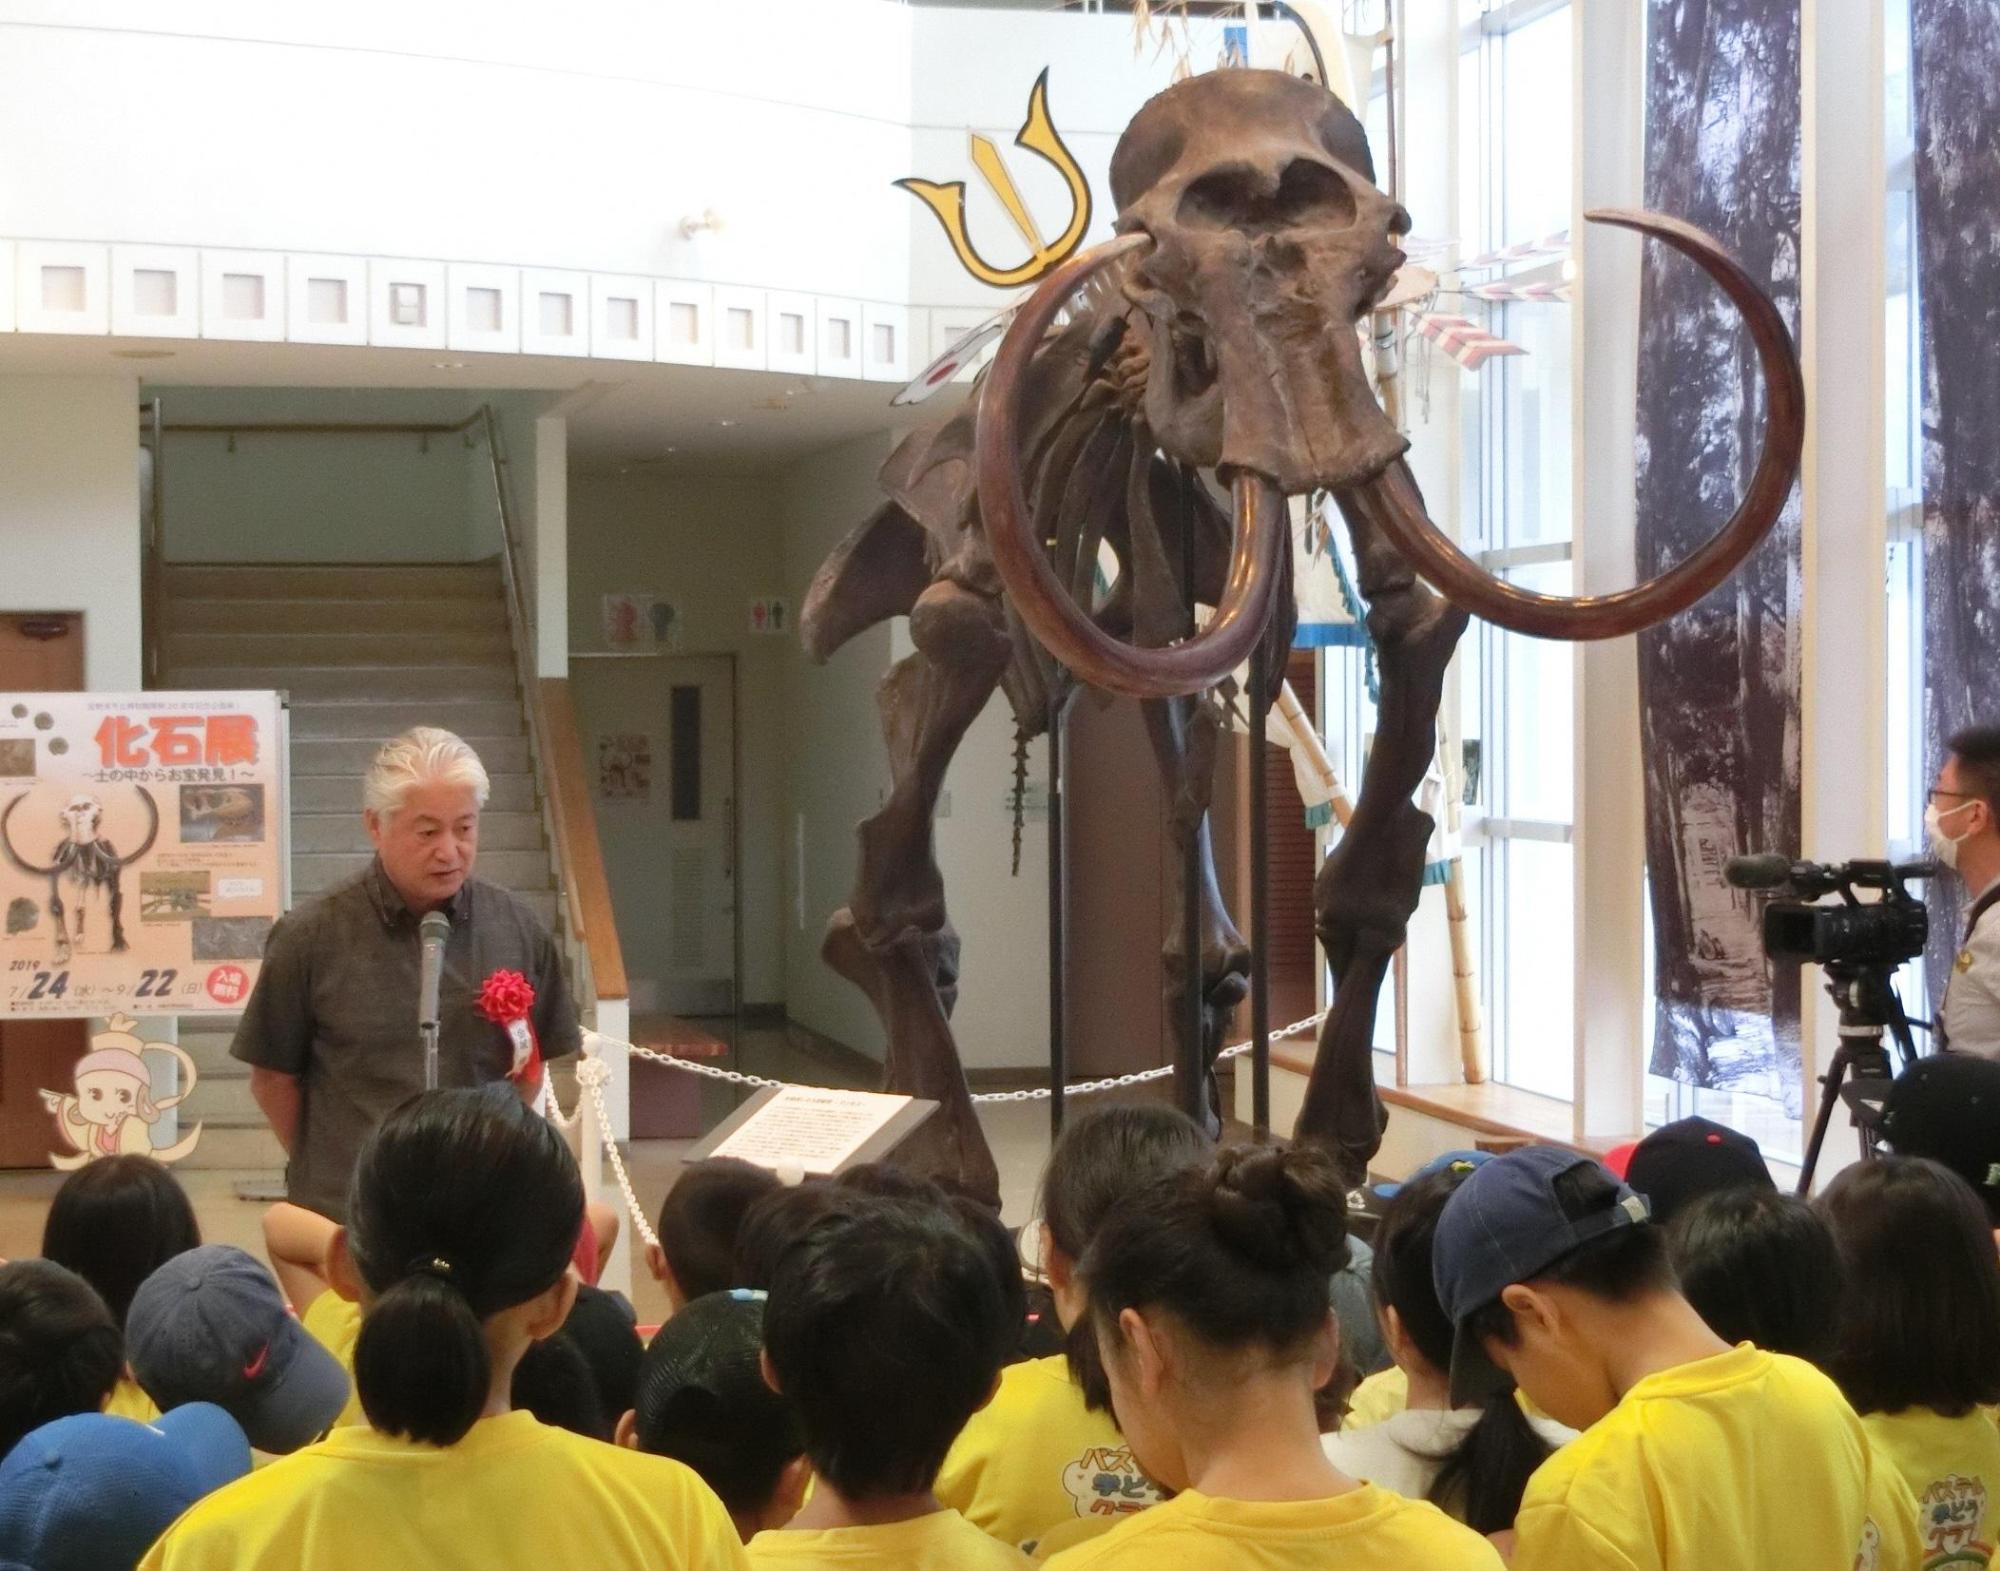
<point>1019,1132</point>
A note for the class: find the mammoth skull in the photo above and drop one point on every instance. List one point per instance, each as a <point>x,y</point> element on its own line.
<point>1253,241</point>
<point>1269,242</point>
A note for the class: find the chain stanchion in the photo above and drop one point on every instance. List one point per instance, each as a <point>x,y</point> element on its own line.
<point>592,1073</point>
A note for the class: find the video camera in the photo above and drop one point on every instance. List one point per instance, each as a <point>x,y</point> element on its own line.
<point>1861,945</point>
<point>1854,934</point>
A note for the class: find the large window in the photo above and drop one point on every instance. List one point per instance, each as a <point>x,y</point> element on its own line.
<point>1516,695</point>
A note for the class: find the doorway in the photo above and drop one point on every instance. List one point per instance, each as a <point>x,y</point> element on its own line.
<point>660,735</point>
<point>39,653</point>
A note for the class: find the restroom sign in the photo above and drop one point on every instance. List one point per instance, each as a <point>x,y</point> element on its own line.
<point>770,616</point>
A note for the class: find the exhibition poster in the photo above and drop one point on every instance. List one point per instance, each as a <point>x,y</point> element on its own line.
<point>142,846</point>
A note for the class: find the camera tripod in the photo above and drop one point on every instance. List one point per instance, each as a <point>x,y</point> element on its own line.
<point>1868,1006</point>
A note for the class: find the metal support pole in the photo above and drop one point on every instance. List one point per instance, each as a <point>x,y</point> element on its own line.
<point>1260,895</point>
<point>1058,915</point>
<point>1191,1073</point>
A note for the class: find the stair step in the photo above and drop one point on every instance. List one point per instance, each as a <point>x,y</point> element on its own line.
<point>223,1098</point>
<point>247,1146</point>
<point>314,872</point>
<point>263,580</point>
<point>402,618</point>
<point>341,793</point>
<point>498,831</point>
<point>355,684</point>
<point>352,756</point>
<point>415,647</point>
<point>318,720</point>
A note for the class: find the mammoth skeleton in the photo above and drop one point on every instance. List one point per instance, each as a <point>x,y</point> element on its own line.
<point>1163,395</point>
<point>84,863</point>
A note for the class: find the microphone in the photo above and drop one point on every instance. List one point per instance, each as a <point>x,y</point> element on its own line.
<point>1768,870</point>
<point>434,931</point>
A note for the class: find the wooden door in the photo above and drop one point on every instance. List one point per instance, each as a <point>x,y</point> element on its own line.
<point>38,654</point>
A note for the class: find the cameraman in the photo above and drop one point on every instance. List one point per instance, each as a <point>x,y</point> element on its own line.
<point>1963,825</point>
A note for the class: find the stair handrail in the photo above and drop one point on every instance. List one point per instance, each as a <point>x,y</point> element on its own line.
<point>557,759</point>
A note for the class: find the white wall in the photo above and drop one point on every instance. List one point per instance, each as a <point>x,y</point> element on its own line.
<point>710,544</point>
<point>69,513</point>
<point>489,132</point>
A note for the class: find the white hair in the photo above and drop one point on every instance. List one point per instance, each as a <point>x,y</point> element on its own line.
<point>421,755</point>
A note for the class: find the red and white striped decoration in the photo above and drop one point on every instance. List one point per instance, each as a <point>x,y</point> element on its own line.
<point>1463,339</point>
<point>1504,289</point>
<point>1556,244</point>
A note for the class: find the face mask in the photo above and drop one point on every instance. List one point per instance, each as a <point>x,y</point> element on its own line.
<point>1943,846</point>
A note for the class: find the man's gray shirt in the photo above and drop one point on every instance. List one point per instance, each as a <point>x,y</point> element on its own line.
<point>336,1006</point>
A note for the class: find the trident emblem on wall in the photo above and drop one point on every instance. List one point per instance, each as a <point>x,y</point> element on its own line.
<point>947,199</point>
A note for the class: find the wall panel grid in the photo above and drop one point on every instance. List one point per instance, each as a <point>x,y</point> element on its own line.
<point>146,291</point>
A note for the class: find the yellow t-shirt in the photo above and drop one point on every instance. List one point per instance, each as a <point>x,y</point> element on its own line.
<point>941,1541</point>
<point>335,1324</point>
<point>129,1400</point>
<point>1746,1461</point>
<point>1035,1456</point>
<point>1952,1466</point>
<point>513,1495</point>
<point>1366,1529</point>
<point>1377,1399</point>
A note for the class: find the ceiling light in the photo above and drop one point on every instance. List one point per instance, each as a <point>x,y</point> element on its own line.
<point>725,424</point>
<point>142,354</point>
<point>447,365</point>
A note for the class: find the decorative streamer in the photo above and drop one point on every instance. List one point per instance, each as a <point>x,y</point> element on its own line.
<point>1718,685</point>
<point>1955,62</point>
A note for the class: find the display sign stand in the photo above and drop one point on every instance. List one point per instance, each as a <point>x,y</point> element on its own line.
<point>813,1130</point>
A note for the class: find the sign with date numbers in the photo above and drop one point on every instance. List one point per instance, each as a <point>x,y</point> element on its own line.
<point>143,839</point>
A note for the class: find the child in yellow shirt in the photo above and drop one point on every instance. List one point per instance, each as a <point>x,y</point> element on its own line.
<point>465,1211</point>
<point>1918,1346</point>
<point>1040,1454</point>
<point>1209,1294</point>
<point>885,1328</point>
<point>1695,1456</point>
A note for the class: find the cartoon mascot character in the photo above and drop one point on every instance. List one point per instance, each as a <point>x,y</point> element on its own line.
<point>112,1112</point>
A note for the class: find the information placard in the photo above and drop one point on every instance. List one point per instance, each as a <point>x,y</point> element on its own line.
<point>142,850</point>
<point>814,1129</point>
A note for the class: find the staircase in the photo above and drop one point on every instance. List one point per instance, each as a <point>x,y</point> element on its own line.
<point>363,652</point>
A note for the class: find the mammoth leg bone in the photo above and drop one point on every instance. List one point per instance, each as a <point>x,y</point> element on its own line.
<point>1368,888</point>
<point>893,940</point>
<point>1183,732</point>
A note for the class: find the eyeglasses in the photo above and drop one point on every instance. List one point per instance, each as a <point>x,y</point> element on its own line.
<point>1963,796</point>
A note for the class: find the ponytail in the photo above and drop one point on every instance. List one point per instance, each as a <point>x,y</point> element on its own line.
<point>1481,1483</point>
<point>464,1204</point>
<point>420,1363</point>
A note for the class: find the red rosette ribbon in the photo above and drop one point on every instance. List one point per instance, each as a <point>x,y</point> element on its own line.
<point>506,998</point>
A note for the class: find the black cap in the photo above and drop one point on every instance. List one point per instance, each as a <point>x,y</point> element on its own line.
<point>1947,1108</point>
<point>1680,1162</point>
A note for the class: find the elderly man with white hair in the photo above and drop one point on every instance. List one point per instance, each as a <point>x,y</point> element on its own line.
<point>330,1032</point>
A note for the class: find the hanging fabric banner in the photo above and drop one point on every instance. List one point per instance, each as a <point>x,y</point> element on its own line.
<point>1955,62</point>
<point>1719,684</point>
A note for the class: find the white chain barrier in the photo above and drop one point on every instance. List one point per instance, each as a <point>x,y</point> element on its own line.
<point>592,1073</point>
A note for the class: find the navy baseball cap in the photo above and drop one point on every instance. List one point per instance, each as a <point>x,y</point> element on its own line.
<point>1508,1223</point>
<point>92,1492</point>
<point>211,1326</point>
<point>1450,1162</point>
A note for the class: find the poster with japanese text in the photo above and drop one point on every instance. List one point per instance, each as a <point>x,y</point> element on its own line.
<point>142,850</point>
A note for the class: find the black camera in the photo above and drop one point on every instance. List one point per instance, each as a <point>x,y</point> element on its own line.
<point>1851,935</point>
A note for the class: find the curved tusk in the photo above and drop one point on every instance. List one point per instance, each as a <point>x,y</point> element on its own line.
<point>1046,609</point>
<point>1392,500</point>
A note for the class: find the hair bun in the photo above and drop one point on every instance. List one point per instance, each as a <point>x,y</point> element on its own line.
<point>1279,1208</point>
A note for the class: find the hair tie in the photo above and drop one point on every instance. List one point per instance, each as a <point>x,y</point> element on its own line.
<point>433,1265</point>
